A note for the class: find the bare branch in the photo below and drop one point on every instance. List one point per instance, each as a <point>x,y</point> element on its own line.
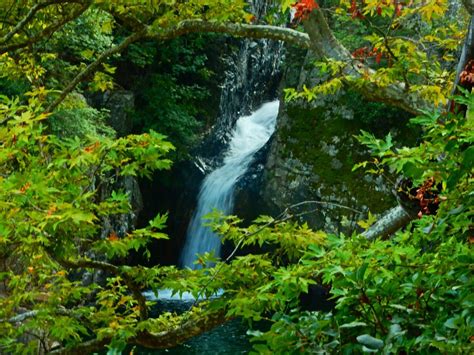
<point>389,223</point>
<point>288,35</point>
<point>21,317</point>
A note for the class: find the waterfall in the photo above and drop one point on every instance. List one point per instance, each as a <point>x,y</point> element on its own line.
<point>250,79</point>
<point>248,136</point>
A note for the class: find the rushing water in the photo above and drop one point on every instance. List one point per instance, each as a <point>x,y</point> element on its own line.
<point>217,190</point>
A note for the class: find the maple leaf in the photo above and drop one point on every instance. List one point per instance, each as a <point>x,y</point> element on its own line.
<point>92,147</point>
<point>113,237</point>
<point>378,57</point>
<point>304,8</point>
<point>25,187</point>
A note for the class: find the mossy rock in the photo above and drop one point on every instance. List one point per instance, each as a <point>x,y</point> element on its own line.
<point>317,149</point>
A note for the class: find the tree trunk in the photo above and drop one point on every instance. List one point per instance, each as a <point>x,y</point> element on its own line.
<point>389,223</point>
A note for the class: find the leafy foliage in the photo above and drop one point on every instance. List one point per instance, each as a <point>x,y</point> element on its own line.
<point>172,95</point>
<point>76,118</point>
<point>411,293</point>
<point>51,216</point>
<point>401,42</point>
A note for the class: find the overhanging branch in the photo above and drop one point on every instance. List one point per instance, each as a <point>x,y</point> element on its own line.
<point>325,45</point>
<point>288,35</point>
<point>48,31</point>
<point>29,16</point>
<point>185,27</point>
<point>393,220</point>
<point>319,38</point>
<point>101,265</point>
<point>162,340</point>
<point>91,68</point>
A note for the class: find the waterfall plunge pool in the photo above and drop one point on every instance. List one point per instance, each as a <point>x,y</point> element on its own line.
<point>228,338</point>
<point>217,192</point>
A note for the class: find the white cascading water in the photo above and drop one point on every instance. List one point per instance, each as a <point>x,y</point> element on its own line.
<point>217,190</point>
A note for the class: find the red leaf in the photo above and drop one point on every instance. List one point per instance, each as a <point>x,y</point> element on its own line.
<point>113,237</point>
<point>92,147</point>
<point>353,6</point>
<point>398,9</point>
<point>25,187</point>
<point>304,8</point>
<point>378,57</point>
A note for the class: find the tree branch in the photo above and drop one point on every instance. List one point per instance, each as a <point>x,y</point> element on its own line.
<point>87,347</point>
<point>91,68</point>
<point>193,326</point>
<point>319,39</point>
<point>170,338</point>
<point>467,54</point>
<point>34,9</point>
<point>101,265</point>
<point>185,27</point>
<point>325,45</point>
<point>389,223</point>
<point>48,31</point>
<point>288,35</point>
<point>162,340</point>
<point>21,317</point>
<point>129,21</point>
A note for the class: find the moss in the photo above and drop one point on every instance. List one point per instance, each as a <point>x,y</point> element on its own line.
<point>80,122</point>
<point>320,140</point>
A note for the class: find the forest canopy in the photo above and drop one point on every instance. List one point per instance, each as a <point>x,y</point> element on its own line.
<point>63,170</point>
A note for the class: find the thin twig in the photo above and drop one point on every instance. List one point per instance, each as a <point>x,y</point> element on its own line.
<point>94,264</point>
<point>47,31</point>
<point>19,26</point>
<point>282,217</point>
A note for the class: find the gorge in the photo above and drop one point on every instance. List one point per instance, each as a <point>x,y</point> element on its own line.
<point>338,135</point>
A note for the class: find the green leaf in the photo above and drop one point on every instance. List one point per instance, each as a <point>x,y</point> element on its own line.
<point>451,323</point>
<point>159,221</point>
<point>361,272</point>
<point>353,325</point>
<point>468,158</point>
<point>87,54</point>
<point>370,342</point>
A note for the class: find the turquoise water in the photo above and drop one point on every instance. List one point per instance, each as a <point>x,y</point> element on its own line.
<point>228,339</point>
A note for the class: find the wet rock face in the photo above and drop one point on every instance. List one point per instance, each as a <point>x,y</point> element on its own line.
<point>251,77</point>
<point>119,103</point>
<point>249,202</point>
<point>314,149</point>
